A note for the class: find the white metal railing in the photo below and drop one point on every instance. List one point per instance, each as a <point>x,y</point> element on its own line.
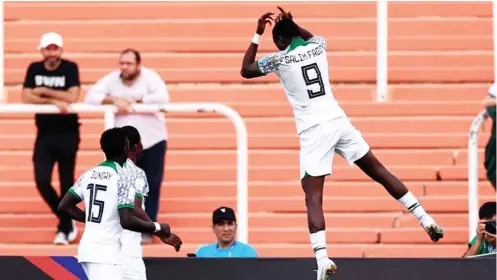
<point>473,172</point>
<point>109,117</point>
<point>381,51</point>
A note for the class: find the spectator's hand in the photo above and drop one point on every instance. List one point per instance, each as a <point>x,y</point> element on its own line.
<point>262,21</point>
<point>490,238</point>
<point>480,230</point>
<point>173,241</point>
<point>62,105</point>
<point>40,90</point>
<point>123,106</point>
<point>283,15</point>
<point>490,235</point>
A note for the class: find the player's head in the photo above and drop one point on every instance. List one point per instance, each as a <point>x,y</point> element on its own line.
<point>224,224</point>
<point>51,47</point>
<point>283,33</point>
<point>135,142</point>
<point>114,144</point>
<point>130,64</point>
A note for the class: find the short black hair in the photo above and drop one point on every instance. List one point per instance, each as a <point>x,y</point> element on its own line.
<point>286,28</point>
<point>138,57</point>
<point>487,210</point>
<point>132,134</point>
<point>113,143</point>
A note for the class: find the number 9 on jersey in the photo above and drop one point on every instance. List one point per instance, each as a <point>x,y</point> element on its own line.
<point>313,79</point>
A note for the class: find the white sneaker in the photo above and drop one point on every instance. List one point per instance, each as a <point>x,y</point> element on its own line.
<point>434,231</point>
<point>73,234</point>
<point>60,239</point>
<point>326,269</point>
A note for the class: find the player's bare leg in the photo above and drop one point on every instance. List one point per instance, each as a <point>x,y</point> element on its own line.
<point>313,188</point>
<point>370,165</point>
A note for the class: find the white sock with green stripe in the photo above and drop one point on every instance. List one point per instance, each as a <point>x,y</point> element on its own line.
<point>318,242</point>
<point>411,203</point>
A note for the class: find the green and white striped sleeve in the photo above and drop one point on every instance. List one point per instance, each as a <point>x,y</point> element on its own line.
<point>77,189</point>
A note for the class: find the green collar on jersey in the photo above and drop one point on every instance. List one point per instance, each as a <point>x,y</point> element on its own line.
<point>297,42</point>
<point>109,163</point>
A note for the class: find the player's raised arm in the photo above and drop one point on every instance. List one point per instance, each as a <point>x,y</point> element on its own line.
<point>250,68</point>
<point>69,203</point>
<point>304,34</point>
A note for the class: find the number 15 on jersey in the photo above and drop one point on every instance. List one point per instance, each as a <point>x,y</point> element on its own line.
<point>95,202</point>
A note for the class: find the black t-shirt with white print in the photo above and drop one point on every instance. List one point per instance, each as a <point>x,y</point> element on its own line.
<point>62,78</point>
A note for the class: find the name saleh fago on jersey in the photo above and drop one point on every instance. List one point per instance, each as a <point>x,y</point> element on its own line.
<point>303,71</point>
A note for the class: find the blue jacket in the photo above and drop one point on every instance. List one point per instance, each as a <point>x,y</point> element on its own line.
<point>237,250</point>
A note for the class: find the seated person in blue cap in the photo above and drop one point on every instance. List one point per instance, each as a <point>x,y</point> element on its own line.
<point>224,227</point>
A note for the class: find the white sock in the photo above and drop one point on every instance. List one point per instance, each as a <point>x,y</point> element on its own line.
<point>318,242</point>
<point>411,203</point>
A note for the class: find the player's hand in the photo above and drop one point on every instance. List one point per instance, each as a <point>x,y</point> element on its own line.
<point>283,15</point>
<point>164,232</point>
<point>173,241</point>
<point>123,106</point>
<point>62,105</point>
<point>262,21</point>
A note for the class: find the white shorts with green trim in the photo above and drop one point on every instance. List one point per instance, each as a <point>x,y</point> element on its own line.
<point>319,143</point>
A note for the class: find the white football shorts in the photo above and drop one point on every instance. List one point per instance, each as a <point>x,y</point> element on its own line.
<point>133,268</point>
<point>320,142</point>
<point>102,271</point>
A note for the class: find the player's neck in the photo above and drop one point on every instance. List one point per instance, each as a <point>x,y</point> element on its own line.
<point>225,245</point>
<point>119,160</point>
<point>296,38</point>
<point>132,158</point>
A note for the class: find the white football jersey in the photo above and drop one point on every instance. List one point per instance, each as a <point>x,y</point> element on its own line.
<point>131,240</point>
<point>104,189</point>
<point>303,71</point>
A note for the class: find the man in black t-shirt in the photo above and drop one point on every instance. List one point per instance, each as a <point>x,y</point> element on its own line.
<point>54,81</point>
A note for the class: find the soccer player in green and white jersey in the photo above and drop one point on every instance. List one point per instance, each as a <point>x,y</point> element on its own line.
<point>109,196</point>
<point>131,250</point>
<point>322,126</point>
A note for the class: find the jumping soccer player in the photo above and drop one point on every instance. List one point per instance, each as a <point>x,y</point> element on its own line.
<point>322,126</point>
<point>109,198</point>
